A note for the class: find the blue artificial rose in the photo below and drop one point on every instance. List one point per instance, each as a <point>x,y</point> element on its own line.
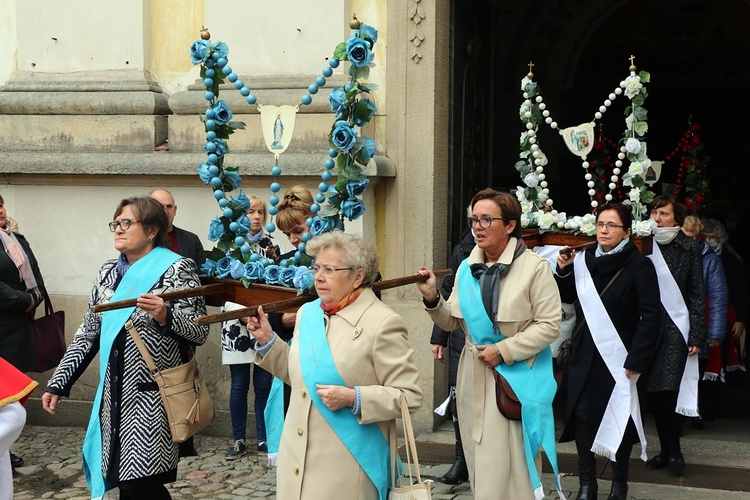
<point>343,136</point>
<point>352,208</point>
<point>358,52</point>
<point>204,174</point>
<point>286,276</point>
<point>254,271</point>
<point>236,269</point>
<point>209,268</point>
<point>223,267</point>
<point>222,113</point>
<point>199,51</point>
<point>216,229</point>
<point>302,278</point>
<point>221,147</point>
<point>234,178</point>
<point>244,224</point>
<point>321,225</point>
<point>367,152</point>
<point>368,33</point>
<point>357,188</point>
<point>337,100</point>
<point>243,200</point>
<point>222,49</point>
<point>364,112</point>
<point>271,275</point>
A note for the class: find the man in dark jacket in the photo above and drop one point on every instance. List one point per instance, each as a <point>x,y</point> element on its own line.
<point>439,341</point>
<point>184,242</point>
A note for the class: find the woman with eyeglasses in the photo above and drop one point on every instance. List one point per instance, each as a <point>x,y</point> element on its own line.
<point>128,442</point>
<point>349,366</point>
<point>616,296</point>
<point>504,297</point>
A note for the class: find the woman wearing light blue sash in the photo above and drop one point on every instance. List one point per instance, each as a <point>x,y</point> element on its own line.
<point>506,300</point>
<point>616,295</point>
<point>128,443</point>
<point>349,365</point>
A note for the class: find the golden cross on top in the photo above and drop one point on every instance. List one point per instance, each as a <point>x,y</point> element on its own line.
<point>632,59</point>
<point>531,65</point>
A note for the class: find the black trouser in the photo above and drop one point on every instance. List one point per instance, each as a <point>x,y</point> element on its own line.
<point>146,487</point>
<point>668,426</point>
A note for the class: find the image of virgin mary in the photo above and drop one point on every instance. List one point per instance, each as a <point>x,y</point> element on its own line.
<point>278,133</point>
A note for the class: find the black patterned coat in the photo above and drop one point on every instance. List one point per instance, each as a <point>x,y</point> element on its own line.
<point>685,262</point>
<point>136,440</point>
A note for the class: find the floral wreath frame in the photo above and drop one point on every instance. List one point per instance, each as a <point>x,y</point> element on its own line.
<point>234,257</point>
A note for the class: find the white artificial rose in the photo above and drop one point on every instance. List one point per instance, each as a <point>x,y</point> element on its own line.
<point>527,206</point>
<point>520,194</point>
<point>524,81</point>
<point>635,195</point>
<point>545,220</point>
<point>645,227</point>
<point>589,228</point>
<point>636,168</point>
<point>531,180</point>
<point>522,111</point>
<point>633,146</point>
<point>633,86</point>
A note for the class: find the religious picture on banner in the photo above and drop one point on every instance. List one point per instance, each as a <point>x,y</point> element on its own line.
<point>579,139</point>
<point>278,126</point>
<point>653,172</point>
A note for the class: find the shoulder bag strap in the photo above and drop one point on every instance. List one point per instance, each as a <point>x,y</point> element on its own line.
<point>411,444</point>
<point>580,325</point>
<point>141,346</point>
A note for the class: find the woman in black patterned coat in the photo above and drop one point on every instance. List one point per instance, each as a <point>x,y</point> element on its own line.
<point>685,262</point>
<point>137,452</point>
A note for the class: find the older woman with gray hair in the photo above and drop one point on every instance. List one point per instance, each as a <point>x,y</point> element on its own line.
<point>349,366</point>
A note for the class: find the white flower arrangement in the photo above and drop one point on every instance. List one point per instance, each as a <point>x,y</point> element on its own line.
<point>536,206</point>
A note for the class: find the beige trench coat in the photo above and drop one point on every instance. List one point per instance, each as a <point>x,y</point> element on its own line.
<point>529,317</point>
<point>369,344</point>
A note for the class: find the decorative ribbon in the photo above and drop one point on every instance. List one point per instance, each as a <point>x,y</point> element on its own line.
<point>623,403</point>
<point>674,304</point>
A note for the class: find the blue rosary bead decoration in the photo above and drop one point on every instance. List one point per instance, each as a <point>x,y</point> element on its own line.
<point>211,135</point>
<point>245,249</point>
<point>213,170</point>
<point>315,208</point>
<point>275,187</point>
<point>330,164</point>
<point>320,197</point>
<point>322,187</point>
<point>320,81</point>
<point>244,91</point>
<point>219,194</point>
<point>276,171</point>
<point>208,82</point>
<point>210,114</point>
<point>210,73</point>
<point>209,96</point>
<point>306,99</point>
<point>226,70</point>
<point>326,176</point>
<point>334,63</point>
<point>228,212</point>
<point>210,124</point>
<point>313,89</point>
<point>232,77</point>
<point>239,241</point>
<point>270,227</point>
<point>239,84</point>
<point>333,153</point>
<point>273,210</point>
<point>223,202</point>
<point>251,99</point>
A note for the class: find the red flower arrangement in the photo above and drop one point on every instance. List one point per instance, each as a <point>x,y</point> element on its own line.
<point>691,186</point>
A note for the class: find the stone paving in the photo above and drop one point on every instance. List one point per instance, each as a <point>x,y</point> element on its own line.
<point>53,469</point>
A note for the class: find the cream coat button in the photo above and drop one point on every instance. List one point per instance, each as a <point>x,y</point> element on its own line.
<point>303,394</point>
<point>300,431</point>
<point>296,470</point>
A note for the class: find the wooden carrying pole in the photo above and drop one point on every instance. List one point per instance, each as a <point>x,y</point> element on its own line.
<point>212,289</point>
<point>295,303</point>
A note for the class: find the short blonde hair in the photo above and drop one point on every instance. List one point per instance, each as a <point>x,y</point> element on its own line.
<point>256,200</point>
<point>694,225</point>
<point>294,209</point>
<point>354,251</point>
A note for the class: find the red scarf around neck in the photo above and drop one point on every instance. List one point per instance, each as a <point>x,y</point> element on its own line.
<point>332,309</point>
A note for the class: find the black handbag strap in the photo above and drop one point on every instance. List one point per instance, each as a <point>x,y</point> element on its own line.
<point>48,309</point>
<point>580,325</point>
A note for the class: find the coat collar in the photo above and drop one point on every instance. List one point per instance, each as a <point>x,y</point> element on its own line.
<point>477,255</point>
<point>354,311</point>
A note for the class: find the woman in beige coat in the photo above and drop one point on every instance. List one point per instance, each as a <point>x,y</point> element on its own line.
<point>502,280</point>
<point>349,365</point>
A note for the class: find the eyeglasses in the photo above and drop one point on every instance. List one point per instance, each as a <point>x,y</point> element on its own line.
<point>329,271</point>
<point>611,226</point>
<point>124,224</point>
<point>484,222</point>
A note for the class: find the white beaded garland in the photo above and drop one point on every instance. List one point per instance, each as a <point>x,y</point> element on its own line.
<point>543,184</point>
<point>612,185</point>
<point>598,115</point>
<point>618,91</point>
<point>616,171</point>
<point>542,106</point>
<point>607,102</point>
<point>592,192</point>
<point>602,109</point>
<point>590,184</point>
<point>545,191</point>
<point>539,99</point>
<point>608,196</point>
<point>529,125</point>
<point>588,177</point>
<point>614,178</point>
<point>553,125</point>
<point>540,169</point>
<point>612,97</point>
<point>541,175</point>
<point>618,163</point>
<point>594,203</point>
<point>548,120</point>
<point>545,113</point>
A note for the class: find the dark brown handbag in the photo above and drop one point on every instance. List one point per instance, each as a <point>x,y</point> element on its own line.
<point>563,352</point>
<point>507,401</point>
<point>48,333</point>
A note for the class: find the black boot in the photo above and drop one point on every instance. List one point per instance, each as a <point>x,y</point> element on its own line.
<point>458,473</point>
<point>584,436</point>
<point>587,485</point>
<point>619,489</point>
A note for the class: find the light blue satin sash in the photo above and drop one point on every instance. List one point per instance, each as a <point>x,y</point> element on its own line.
<point>366,442</point>
<point>534,385</point>
<point>139,279</point>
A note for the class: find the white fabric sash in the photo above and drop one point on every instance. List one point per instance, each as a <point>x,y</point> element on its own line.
<point>674,304</point>
<point>623,402</point>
